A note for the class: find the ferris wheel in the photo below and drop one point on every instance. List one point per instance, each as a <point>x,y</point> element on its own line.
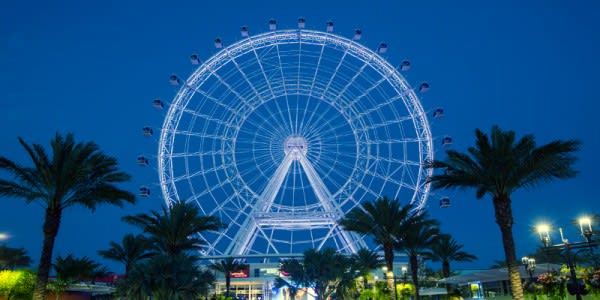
<point>282,133</point>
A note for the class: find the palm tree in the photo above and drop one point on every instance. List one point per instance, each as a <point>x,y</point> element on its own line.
<point>227,266</point>
<point>207,279</point>
<point>365,261</point>
<point>77,174</point>
<point>11,258</point>
<point>416,240</point>
<point>133,249</point>
<point>499,165</point>
<point>382,219</point>
<point>447,249</point>
<point>73,269</point>
<point>164,276</point>
<point>174,229</point>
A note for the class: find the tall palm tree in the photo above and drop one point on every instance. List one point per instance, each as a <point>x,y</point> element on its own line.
<point>77,174</point>
<point>447,249</point>
<point>416,240</point>
<point>382,219</point>
<point>227,266</point>
<point>173,230</point>
<point>500,164</point>
<point>11,258</point>
<point>133,249</point>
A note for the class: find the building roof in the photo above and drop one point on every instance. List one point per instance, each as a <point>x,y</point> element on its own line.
<point>498,274</point>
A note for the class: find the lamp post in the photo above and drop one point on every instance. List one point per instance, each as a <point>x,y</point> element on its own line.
<point>529,264</point>
<point>404,270</point>
<point>570,250</point>
<point>388,275</point>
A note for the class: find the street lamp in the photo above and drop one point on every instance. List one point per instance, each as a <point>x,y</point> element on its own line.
<point>529,264</point>
<point>566,250</point>
<point>404,270</point>
<point>388,275</point>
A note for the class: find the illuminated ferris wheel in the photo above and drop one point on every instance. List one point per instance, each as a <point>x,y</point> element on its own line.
<point>282,133</point>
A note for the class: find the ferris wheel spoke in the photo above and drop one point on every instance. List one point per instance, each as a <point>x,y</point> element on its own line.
<point>366,92</point>
<point>206,117</point>
<point>197,154</point>
<point>232,90</point>
<point>276,126</point>
<point>265,126</point>
<point>280,67</point>
<point>383,105</point>
<point>335,73</point>
<point>262,69</point>
<point>250,84</point>
<point>320,122</point>
<point>326,126</point>
<point>351,81</point>
<point>304,123</point>
<point>196,134</point>
<point>299,65</point>
<point>314,78</point>
<point>214,100</point>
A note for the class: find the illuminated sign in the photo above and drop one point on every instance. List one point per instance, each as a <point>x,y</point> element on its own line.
<point>242,273</point>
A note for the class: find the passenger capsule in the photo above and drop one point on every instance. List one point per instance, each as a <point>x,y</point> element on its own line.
<point>405,66</point>
<point>329,26</point>
<point>438,113</point>
<point>445,202</point>
<point>272,24</point>
<point>446,141</point>
<point>244,31</point>
<point>194,59</point>
<point>382,48</point>
<point>147,131</point>
<point>142,161</point>
<point>301,23</point>
<point>424,87</point>
<point>357,35</point>
<point>158,104</point>
<point>218,43</point>
<point>174,80</point>
<point>144,191</point>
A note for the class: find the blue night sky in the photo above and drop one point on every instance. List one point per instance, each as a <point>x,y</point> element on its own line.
<point>93,68</point>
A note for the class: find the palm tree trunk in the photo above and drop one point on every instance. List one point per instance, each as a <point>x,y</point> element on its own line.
<point>414,269</point>
<point>504,218</point>
<point>227,284</point>
<point>51,225</point>
<point>388,254</point>
<point>446,268</point>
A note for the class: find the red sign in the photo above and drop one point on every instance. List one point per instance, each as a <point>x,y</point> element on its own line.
<point>243,273</point>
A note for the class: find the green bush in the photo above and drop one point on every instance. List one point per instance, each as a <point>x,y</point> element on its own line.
<point>17,284</point>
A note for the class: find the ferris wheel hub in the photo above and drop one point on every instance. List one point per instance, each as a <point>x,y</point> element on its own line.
<point>296,145</point>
